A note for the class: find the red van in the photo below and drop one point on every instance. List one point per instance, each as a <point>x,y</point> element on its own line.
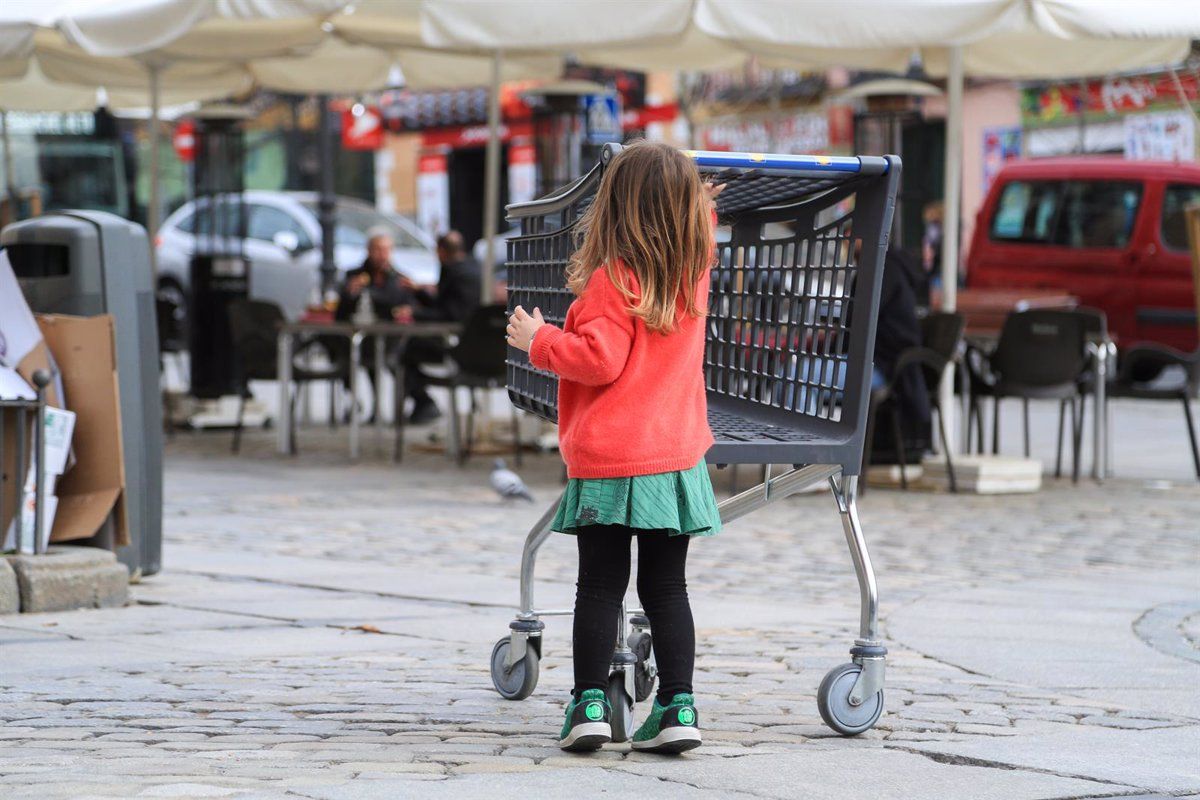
<point>1109,231</point>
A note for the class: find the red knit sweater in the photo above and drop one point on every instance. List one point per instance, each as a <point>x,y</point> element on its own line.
<point>630,401</point>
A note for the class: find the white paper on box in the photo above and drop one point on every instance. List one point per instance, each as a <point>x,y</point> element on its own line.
<point>29,520</point>
<point>59,427</point>
<point>13,386</point>
<point>19,331</point>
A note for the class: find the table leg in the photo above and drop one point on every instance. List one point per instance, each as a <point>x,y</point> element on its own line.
<point>1099,434</point>
<point>283,436</point>
<point>379,368</point>
<point>355,413</point>
<point>398,412</point>
<point>964,396</point>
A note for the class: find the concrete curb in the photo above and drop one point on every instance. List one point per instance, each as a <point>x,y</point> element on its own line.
<point>66,578</point>
<point>10,597</point>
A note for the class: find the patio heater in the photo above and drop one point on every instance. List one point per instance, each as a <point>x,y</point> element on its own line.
<point>219,270</point>
<point>572,121</point>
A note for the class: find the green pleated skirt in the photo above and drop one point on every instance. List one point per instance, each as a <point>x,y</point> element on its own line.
<point>680,502</point>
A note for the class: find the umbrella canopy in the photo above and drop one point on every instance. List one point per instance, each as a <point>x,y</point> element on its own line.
<point>999,38</point>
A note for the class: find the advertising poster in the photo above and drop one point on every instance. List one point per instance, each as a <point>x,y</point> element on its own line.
<point>433,193</point>
<point>522,172</point>
<point>999,145</point>
<point>1166,136</point>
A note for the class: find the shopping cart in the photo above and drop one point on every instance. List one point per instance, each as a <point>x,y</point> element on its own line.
<point>791,328</point>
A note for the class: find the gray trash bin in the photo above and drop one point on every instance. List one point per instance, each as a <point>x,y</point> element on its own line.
<point>87,263</point>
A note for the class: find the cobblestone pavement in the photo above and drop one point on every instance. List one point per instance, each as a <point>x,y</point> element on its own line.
<point>322,631</point>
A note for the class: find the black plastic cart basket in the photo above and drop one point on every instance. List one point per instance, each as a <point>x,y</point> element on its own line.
<point>791,329</point>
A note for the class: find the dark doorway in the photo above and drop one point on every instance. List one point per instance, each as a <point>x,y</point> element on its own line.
<point>467,170</point>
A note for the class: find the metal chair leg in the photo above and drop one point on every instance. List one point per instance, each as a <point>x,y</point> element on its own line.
<point>996,426</point>
<point>1076,456</point>
<point>898,435</point>
<point>1062,415</point>
<point>946,449</point>
<point>1025,419</point>
<point>237,428</point>
<point>1187,416</point>
<point>979,445</point>
<point>464,452</point>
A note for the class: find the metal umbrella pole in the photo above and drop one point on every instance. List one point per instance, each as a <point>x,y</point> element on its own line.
<point>9,185</point>
<point>152,213</point>
<point>952,202</point>
<point>326,204</point>
<point>491,184</point>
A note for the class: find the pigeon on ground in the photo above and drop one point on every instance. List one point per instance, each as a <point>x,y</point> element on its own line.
<point>507,483</point>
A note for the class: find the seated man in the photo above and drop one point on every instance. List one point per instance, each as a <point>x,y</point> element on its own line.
<point>387,289</point>
<point>455,297</point>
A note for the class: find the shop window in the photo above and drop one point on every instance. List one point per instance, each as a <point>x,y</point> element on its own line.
<point>1174,227</point>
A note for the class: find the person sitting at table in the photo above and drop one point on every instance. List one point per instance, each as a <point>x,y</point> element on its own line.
<point>455,297</point>
<point>387,288</point>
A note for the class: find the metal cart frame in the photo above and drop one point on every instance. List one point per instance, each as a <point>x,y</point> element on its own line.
<point>790,338</point>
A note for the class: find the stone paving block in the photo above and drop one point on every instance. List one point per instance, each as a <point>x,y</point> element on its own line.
<point>67,577</point>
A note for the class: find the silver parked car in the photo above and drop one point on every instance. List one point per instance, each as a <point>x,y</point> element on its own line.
<point>283,245</point>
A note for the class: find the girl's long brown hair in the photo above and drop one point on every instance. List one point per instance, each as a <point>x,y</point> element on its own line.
<point>650,213</point>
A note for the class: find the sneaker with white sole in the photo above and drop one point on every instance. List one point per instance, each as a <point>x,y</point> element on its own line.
<point>673,728</point>
<point>588,724</point>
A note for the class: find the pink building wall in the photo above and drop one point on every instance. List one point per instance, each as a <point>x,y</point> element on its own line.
<point>996,105</point>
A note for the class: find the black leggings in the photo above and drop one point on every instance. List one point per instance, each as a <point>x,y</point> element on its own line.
<point>662,588</point>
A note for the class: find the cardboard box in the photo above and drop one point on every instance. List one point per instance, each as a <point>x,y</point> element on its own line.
<point>85,353</point>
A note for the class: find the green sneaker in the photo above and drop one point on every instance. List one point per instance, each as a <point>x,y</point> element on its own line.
<point>588,724</point>
<point>673,729</point>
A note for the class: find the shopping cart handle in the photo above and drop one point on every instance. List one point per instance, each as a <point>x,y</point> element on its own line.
<point>716,159</point>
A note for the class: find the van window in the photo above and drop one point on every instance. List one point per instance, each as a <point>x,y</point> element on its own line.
<point>1174,228</point>
<point>1076,214</point>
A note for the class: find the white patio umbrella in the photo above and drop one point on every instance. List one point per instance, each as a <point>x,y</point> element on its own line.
<point>631,34</point>
<point>997,38</point>
<point>286,45</point>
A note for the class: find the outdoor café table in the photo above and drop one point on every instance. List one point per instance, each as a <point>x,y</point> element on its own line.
<point>984,310</point>
<point>381,331</point>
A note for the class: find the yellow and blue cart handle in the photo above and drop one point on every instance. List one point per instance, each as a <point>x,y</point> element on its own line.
<point>716,159</point>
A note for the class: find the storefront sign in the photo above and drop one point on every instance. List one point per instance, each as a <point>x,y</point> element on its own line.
<point>433,193</point>
<point>472,135</point>
<point>522,172</point>
<point>362,128</point>
<point>1058,103</point>
<point>1168,136</point>
<point>999,145</point>
<point>800,133</point>
<point>184,140</point>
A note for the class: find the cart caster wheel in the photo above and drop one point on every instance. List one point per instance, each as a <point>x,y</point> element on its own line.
<point>833,701</point>
<point>622,708</point>
<point>519,682</point>
<point>644,671</point>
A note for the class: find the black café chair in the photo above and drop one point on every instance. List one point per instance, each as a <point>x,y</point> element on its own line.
<point>254,327</point>
<point>1139,377</point>
<point>172,342</point>
<point>477,361</point>
<point>1041,355</point>
<point>941,343</point>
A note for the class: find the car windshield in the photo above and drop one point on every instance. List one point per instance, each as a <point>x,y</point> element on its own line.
<point>354,222</point>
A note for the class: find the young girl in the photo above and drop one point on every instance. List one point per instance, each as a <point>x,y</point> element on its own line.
<point>633,428</point>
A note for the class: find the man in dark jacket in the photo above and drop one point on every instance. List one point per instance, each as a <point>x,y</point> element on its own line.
<point>455,298</point>
<point>896,331</point>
